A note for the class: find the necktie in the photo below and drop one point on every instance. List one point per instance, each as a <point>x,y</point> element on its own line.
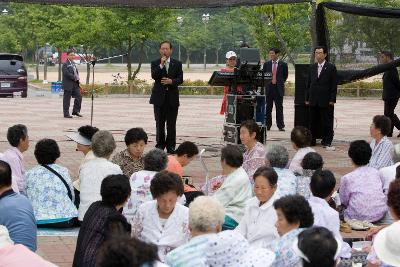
<point>76,75</point>
<point>319,69</point>
<point>273,72</point>
<point>167,66</point>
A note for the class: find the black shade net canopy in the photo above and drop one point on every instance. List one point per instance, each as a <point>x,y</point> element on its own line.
<point>355,35</point>
<point>160,3</point>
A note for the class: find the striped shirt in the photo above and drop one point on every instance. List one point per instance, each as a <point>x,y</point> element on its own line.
<point>381,153</point>
<point>190,254</point>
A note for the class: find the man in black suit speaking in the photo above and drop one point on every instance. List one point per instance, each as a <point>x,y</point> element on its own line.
<point>391,91</point>
<point>275,90</point>
<point>167,74</point>
<point>321,97</point>
<point>71,86</point>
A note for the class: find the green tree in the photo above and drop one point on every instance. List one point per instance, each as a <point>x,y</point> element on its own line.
<point>128,29</point>
<point>284,25</point>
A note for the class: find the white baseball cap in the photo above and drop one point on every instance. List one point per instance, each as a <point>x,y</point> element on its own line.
<point>230,54</point>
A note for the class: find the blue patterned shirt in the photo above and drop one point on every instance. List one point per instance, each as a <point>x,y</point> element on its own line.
<point>284,253</point>
<point>48,194</point>
<point>287,182</point>
<point>190,254</point>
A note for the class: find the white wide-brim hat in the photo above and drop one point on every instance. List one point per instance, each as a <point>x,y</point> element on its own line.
<point>387,244</point>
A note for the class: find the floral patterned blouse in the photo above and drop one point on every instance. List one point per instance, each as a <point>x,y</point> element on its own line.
<point>284,253</point>
<point>149,227</point>
<point>253,159</point>
<point>140,186</point>
<point>48,194</point>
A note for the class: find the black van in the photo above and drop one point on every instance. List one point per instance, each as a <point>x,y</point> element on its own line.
<point>13,75</point>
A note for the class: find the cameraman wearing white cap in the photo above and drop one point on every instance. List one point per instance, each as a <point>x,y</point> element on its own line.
<point>231,62</point>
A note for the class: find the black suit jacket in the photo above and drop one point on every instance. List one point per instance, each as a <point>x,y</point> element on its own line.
<point>281,75</point>
<point>158,92</point>
<point>323,89</point>
<point>68,81</point>
<point>391,84</point>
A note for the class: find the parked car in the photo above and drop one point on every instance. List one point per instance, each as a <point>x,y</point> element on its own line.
<point>13,75</point>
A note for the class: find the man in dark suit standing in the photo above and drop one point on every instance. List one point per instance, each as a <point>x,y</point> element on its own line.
<point>391,91</point>
<point>167,74</point>
<point>275,90</point>
<point>71,87</point>
<point>321,97</point>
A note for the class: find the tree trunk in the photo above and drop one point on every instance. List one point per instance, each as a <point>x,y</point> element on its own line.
<point>313,30</point>
<point>280,38</point>
<point>217,56</point>
<point>141,50</point>
<point>87,73</point>
<point>187,59</point>
<point>37,63</point>
<point>59,63</point>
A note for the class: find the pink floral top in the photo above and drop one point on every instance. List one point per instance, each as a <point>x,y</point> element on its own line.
<point>253,159</point>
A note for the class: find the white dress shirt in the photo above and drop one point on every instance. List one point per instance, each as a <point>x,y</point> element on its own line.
<point>258,222</point>
<point>146,226</point>
<point>320,67</point>
<point>327,217</point>
<point>91,175</point>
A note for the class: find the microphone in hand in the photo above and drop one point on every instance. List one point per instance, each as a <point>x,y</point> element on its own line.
<point>163,60</point>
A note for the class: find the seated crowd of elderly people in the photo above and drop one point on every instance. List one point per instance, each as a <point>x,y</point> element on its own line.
<point>263,210</point>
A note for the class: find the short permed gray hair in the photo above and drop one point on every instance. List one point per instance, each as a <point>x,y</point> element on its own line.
<point>155,160</point>
<point>277,156</point>
<point>205,214</point>
<point>395,153</point>
<point>103,144</point>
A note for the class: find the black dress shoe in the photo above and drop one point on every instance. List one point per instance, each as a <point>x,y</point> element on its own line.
<point>268,128</point>
<point>170,151</point>
<point>281,129</point>
<point>68,116</point>
<point>77,114</point>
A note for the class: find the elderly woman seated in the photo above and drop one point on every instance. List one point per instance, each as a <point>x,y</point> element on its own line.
<point>317,239</point>
<point>206,216</point>
<point>377,256</point>
<point>388,174</point>
<point>154,161</point>
<point>163,221</point>
<point>277,157</point>
<point>380,144</point>
<point>103,220</point>
<point>258,222</point>
<point>126,251</point>
<point>236,188</point>
<point>49,188</point>
<point>131,159</point>
<point>310,163</point>
<point>254,157</point>
<point>294,215</point>
<point>94,171</point>
<point>301,141</point>
<point>361,191</point>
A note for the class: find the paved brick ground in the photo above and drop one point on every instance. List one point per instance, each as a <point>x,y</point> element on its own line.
<point>198,121</point>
